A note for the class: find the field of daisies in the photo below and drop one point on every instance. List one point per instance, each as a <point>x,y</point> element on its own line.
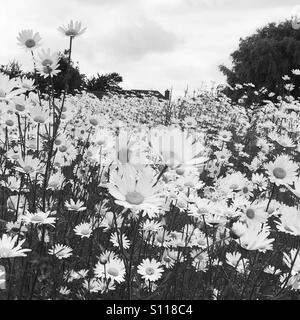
<point>137,198</point>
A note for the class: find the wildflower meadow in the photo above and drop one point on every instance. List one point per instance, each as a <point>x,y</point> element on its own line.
<point>193,198</point>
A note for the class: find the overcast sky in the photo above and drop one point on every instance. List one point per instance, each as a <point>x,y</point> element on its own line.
<point>153,44</point>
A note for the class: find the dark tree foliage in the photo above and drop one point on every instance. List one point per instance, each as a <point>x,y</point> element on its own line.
<point>13,69</point>
<point>76,81</point>
<point>264,57</point>
<point>107,82</point>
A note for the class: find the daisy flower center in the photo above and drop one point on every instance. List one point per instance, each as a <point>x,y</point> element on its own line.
<point>180,171</point>
<point>150,271</point>
<point>28,168</point>
<point>39,119</point>
<point>47,62</point>
<point>9,122</point>
<point>37,219</point>
<point>47,69</point>
<point>113,271</point>
<point>245,190</point>
<point>85,231</point>
<point>63,149</point>
<point>250,213</point>
<point>279,173</point>
<point>53,184</point>
<point>30,43</point>
<point>71,32</point>
<point>234,186</point>
<point>20,107</point>
<point>134,198</point>
<point>167,259</point>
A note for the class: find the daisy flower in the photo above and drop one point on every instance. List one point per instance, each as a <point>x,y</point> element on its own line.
<point>7,88</point>
<point>296,72</point>
<point>288,259</point>
<point>255,213</point>
<point>233,258</point>
<point>256,238</point>
<point>92,285</point>
<point>15,226</point>
<point>56,181</point>
<point>224,135</point>
<point>84,230</point>
<point>61,251</point>
<point>177,149</point>
<point>272,270</point>
<point>260,181</point>
<point>169,258</point>
<point>124,241</point>
<point>114,269</point>
<point>26,84</point>
<point>73,29</point>
<point>200,260</point>
<point>39,218</point>
<point>29,165</point>
<point>75,206</point>
<point>282,170</point>
<point>9,247</point>
<point>48,63</point>
<point>296,189</point>
<point>29,40</point>
<point>40,116</point>
<point>150,270</point>
<point>64,291</point>
<point>151,226</point>
<point>136,192</point>
<point>289,221</point>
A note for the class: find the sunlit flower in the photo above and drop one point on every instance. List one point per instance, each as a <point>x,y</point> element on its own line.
<point>296,189</point>
<point>61,251</point>
<point>9,248</point>
<point>48,63</point>
<point>150,270</point>
<point>64,291</point>
<point>282,170</point>
<point>75,206</point>
<point>272,270</point>
<point>114,269</point>
<point>256,238</point>
<point>136,192</point>
<point>292,260</point>
<point>29,40</point>
<point>84,230</point>
<point>39,218</point>
<point>289,221</point>
<point>177,149</point>
<point>73,29</point>
<point>124,241</point>
<point>9,88</point>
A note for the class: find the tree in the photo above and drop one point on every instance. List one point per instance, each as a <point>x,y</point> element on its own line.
<point>13,69</point>
<point>264,57</point>
<point>107,82</point>
<point>76,81</point>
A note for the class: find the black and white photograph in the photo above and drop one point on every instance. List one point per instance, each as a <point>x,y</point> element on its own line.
<point>149,153</point>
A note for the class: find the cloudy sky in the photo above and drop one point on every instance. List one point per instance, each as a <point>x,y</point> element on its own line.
<point>153,44</point>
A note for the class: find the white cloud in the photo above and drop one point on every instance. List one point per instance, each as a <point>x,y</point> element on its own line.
<point>137,40</point>
<point>151,43</point>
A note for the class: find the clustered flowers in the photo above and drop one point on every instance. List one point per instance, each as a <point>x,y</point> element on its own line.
<point>121,198</point>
